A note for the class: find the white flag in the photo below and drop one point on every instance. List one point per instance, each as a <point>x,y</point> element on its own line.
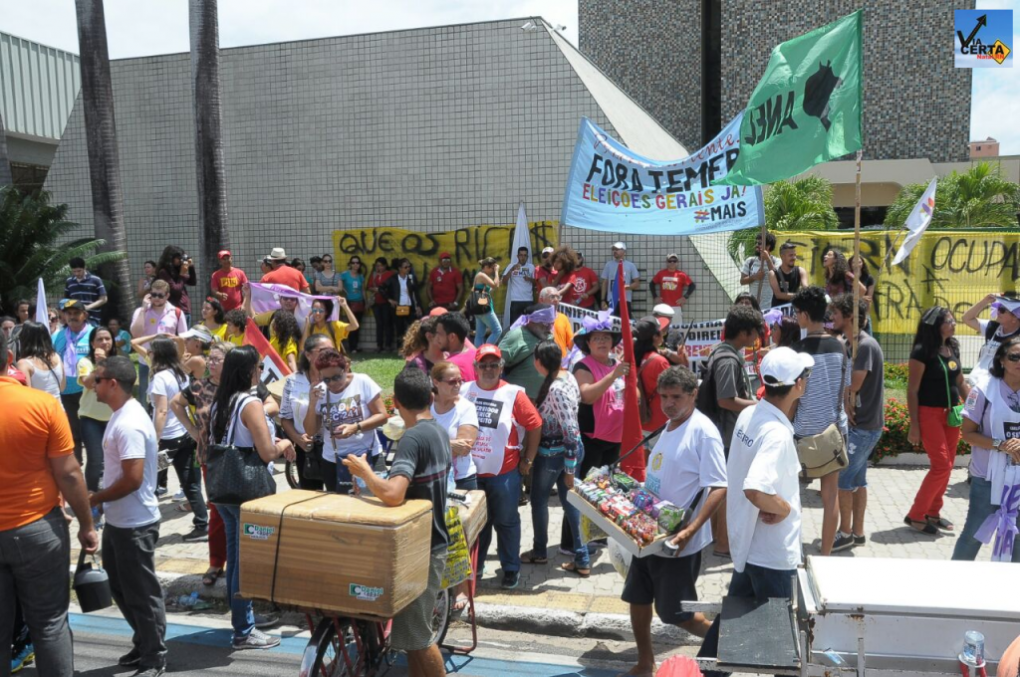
<point>522,238</point>
<point>42,315</point>
<point>917,222</point>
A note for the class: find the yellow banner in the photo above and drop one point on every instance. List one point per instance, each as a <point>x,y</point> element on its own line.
<point>467,246</point>
<point>955,269</point>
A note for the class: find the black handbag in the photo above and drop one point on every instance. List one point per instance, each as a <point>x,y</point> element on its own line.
<point>313,461</point>
<point>235,475</point>
<point>479,302</point>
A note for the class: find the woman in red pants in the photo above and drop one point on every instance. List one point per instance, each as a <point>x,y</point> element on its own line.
<point>935,386</point>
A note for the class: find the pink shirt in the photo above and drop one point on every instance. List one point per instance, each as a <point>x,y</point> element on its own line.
<point>466,362</point>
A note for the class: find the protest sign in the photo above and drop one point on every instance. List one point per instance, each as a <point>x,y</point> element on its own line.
<point>612,189</point>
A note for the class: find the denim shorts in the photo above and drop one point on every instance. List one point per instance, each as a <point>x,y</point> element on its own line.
<point>859,448</point>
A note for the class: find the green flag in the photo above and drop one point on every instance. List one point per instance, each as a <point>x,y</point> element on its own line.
<point>807,107</point>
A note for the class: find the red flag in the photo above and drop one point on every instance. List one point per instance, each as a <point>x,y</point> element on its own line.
<point>270,358</point>
<point>633,465</point>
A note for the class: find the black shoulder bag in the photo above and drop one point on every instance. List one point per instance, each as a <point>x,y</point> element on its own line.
<point>236,475</point>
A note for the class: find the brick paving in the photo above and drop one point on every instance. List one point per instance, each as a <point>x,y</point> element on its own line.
<point>891,493</point>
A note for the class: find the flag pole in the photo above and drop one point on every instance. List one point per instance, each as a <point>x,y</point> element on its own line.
<point>857,254</point>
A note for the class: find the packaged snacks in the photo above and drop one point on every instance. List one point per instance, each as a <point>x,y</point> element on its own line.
<point>625,482</point>
<point>670,518</point>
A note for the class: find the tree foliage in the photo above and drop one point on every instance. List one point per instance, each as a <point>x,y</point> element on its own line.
<point>804,204</point>
<point>34,235</point>
<point>977,198</point>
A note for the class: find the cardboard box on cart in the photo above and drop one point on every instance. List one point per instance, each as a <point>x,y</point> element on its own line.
<point>343,554</point>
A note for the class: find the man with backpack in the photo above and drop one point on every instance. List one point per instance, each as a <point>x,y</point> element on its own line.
<point>1005,326</point>
<point>726,391</point>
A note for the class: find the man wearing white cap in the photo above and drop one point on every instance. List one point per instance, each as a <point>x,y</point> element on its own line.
<point>671,348</point>
<point>631,279</point>
<point>1005,326</point>
<point>763,500</point>
<point>282,273</point>
<point>544,272</point>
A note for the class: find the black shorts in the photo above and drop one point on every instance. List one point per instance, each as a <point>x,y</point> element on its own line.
<point>664,581</point>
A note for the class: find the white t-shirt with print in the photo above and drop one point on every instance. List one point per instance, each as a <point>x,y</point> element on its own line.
<point>763,457</point>
<point>130,435</point>
<point>165,383</point>
<point>348,408</point>
<point>682,462</point>
<point>462,413</point>
<point>518,288</point>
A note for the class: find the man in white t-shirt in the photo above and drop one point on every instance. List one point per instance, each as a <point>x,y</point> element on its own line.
<point>763,506</point>
<point>687,468</point>
<point>520,291</point>
<point>132,516</point>
<point>754,273</point>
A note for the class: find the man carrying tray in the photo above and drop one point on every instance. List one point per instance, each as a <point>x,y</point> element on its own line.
<point>687,468</point>
<point>419,470</point>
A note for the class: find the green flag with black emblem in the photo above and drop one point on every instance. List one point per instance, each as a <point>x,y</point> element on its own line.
<point>807,107</point>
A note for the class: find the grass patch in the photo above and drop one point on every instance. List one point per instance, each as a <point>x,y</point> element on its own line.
<point>382,369</point>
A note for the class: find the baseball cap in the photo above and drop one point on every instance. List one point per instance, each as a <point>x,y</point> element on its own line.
<point>1007,305</point>
<point>437,311</point>
<point>547,250</point>
<point>620,245</point>
<point>663,310</point>
<point>198,332</point>
<point>672,256</point>
<point>488,350</point>
<point>223,253</point>
<point>444,255</point>
<point>786,246</point>
<point>69,304</point>
<point>783,366</point>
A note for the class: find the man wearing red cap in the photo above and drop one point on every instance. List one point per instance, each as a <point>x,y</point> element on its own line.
<point>227,282</point>
<point>505,415</point>
<point>445,284</point>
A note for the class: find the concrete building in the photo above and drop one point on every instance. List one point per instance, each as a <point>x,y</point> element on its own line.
<point>431,130</point>
<point>38,87</point>
<point>984,149</point>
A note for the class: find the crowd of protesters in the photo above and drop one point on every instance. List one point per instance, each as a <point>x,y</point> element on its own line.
<point>517,411</point>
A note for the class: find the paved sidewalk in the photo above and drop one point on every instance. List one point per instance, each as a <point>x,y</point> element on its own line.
<point>548,588</point>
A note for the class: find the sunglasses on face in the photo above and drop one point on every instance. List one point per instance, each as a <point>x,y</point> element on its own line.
<point>334,379</point>
<point>318,311</point>
<point>157,296</point>
<point>453,381</point>
<point>488,365</point>
<point>1013,357</point>
<point>327,260</point>
<point>100,379</point>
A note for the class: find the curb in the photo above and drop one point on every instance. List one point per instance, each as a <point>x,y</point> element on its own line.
<point>555,622</point>
<point>914,460</point>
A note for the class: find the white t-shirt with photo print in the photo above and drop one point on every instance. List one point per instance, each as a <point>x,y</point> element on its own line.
<point>348,408</point>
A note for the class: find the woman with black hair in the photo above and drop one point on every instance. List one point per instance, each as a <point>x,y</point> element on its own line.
<point>177,269</point>
<point>381,308</point>
<point>285,336</point>
<point>39,361</point>
<point>935,386</point>
<point>648,338</point>
<point>294,405</point>
<point>337,330</point>
<point>214,318</point>
<point>238,418</point>
<point>559,453</point>
<point>353,280</point>
<point>93,414</point>
<point>838,277</point>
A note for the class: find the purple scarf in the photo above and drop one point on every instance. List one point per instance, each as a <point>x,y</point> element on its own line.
<point>70,355</point>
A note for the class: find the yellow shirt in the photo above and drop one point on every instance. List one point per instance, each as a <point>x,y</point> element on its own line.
<point>340,332</point>
<point>289,349</point>
<point>236,340</point>
<point>90,407</point>
<point>219,334</point>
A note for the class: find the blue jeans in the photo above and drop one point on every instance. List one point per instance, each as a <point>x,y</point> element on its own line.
<point>978,510</point>
<point>242,617</point>
<point>487,321</point>
<point>501,495</point>
<point>92,437</point>
<point>143,384</point>
<point>549,470</point>
<point>860,444</point>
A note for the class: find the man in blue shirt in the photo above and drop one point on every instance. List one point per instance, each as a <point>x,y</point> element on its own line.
<point>85,287</point>
<point>72,343</point>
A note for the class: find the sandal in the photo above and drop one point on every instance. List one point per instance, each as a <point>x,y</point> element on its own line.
<point>183,507</point>
<point>530,557</point>
<point>209,579</point>
<point>460,603</point>
<point>572,568</point>
<point>939,523</point>
<point>921,527</point>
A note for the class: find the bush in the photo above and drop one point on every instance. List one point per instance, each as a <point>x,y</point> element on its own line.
<point>897,427</point>
<point>896,375</point>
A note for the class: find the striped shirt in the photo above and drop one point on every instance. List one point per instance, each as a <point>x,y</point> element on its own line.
<point>87,290</point>
<point>822,404</point>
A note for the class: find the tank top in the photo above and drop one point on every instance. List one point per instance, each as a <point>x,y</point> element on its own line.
<point>48,380</point>
<point>789,282</point>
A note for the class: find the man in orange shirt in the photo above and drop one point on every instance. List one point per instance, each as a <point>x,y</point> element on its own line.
<point>37,466</point>
<point>282,273</point>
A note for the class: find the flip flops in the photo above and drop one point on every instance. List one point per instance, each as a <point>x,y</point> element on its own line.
<point>921,527</point>
<point>213,573</point>
<point>569,566</point>
<point>939,523</point>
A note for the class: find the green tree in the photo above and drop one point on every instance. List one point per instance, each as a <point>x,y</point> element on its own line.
<point>977,198</point>
<point>34,235</point>
<point>802,204</point>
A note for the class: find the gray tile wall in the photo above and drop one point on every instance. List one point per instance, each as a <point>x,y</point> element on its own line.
<point>431,130</point>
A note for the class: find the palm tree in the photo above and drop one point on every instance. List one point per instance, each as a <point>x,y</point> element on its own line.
<point>34,235</point>
<point>6,178</point>
<point>212,186</point>
<point>803,204</point>
<point>104,160</point>
<point>977,198</point>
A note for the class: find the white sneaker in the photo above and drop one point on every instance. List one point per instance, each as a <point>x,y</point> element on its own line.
<point>179,497</point>
<point>257,640</point>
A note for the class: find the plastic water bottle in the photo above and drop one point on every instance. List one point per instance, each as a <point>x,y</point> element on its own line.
<point>187,601</point>
<point>973,648</point>
<point>97,518</point>
<point>451,483</point>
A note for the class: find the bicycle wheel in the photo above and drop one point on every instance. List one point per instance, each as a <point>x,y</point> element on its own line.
<point>291,473</point>
<point>323,656</point>
<point>441,614</point>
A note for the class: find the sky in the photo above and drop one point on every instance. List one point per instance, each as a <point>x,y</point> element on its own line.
<point>147,27</point>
